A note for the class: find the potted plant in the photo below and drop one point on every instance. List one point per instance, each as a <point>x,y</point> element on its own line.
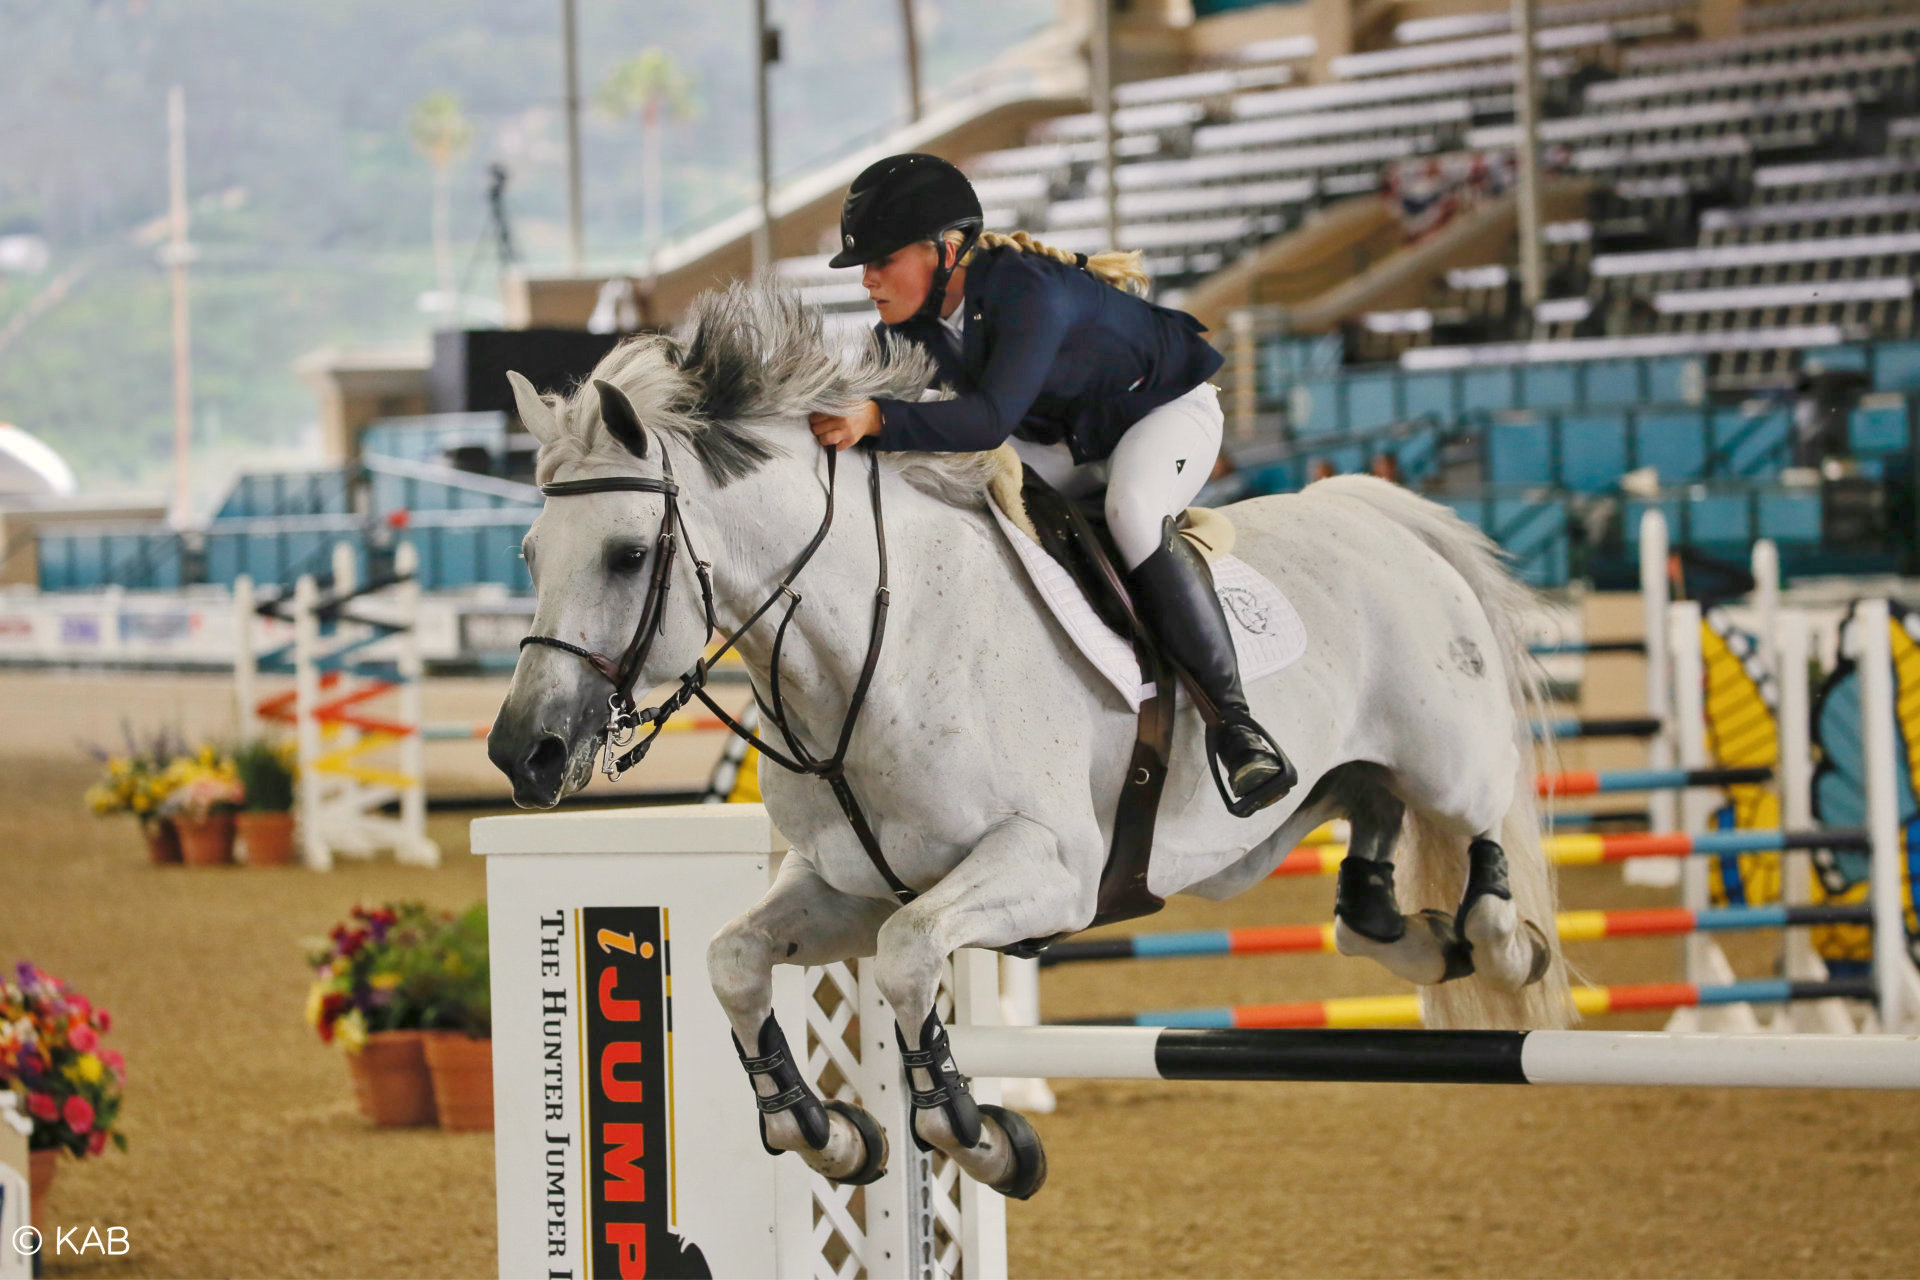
<point>360,1000</point>
<point>68,1085</point>
<point>136,782</point>
<point>452,984</point>
<point>265,821</point>
<point>202,800</point>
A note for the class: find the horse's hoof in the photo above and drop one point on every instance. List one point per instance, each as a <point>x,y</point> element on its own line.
<point>1542,953</point>
<point>1029,1157</point>
<point>872,1137</point>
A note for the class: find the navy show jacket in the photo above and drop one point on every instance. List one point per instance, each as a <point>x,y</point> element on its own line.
<point>1049,353</point>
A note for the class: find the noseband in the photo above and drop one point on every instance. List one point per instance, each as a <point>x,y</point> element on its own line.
<point>624,720</point>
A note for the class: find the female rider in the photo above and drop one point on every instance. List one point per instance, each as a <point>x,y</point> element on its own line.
<point>1089,381</point>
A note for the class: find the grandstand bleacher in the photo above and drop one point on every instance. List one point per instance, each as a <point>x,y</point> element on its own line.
<point>1728,331</point>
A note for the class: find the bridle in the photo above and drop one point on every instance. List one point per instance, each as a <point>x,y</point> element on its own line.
<point>624,720</point>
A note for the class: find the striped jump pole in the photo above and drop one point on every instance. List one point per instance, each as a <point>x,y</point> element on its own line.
<point>1404,1010</point>
<point>1441,1057</point>
<point>472,732</point>
<point>1597,727</point>
<point>1582,848</point>
<point>1574,926</point>
<point>1590,782</point>
<point>1579,648</point>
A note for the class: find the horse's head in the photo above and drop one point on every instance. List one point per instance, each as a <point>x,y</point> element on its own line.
<point>704,410</point>
<point>613,606</point>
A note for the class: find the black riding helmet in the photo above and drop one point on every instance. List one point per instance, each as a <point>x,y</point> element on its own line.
<point>903,200</point>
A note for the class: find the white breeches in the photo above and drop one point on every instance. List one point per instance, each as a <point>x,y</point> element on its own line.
<point>1155,471</point>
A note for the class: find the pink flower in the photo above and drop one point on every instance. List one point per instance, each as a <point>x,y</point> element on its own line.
<point>113,1059</point>
<point>83,1037</point>
<point>96,1142</point>
<point>78,1113</point>
<point>42,1106</point>
<point>103,1019</point>
<point>80,1005</point>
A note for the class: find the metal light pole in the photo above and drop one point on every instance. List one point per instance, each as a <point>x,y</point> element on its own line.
<point>912,36</point>
<point>1100,77</point>
<point>176,255</point>
<point>766,49</point>
<point>570,52</point>
<point>1526,96</point>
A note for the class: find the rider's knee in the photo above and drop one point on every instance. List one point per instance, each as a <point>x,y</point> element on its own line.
<point>1135,525</point>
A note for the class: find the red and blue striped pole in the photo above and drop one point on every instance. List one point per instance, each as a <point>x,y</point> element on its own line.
<point>1574,926</point>
<point>1588,782</point>
<point>1404,1010</point>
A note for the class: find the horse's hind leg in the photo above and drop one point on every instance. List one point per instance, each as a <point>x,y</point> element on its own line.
<point>802,920</point>
<point>1013,886</point>
<point>1424,948</point>
<point>1510,952</point>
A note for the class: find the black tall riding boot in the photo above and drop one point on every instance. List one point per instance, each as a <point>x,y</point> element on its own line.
<point>1173,593</point>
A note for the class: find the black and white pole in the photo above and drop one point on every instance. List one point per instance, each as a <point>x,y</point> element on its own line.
<point>1441,1057</point>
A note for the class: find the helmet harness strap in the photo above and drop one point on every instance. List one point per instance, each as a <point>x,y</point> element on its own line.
<point>942,272</point>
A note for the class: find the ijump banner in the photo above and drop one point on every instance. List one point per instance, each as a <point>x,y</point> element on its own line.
<point>628,1139</point>
<point>625,1134</point>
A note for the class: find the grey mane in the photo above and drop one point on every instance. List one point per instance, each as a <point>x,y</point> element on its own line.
<point>734,384</point>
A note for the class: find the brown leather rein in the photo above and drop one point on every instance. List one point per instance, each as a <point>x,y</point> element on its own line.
<point>624,720</point>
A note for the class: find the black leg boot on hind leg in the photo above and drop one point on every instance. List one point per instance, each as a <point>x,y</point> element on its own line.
<point>1173,593</point>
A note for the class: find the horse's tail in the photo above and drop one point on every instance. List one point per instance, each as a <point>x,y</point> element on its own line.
<point>1433,866</point>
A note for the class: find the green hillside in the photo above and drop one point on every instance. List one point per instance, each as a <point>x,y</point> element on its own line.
<point>304,110</point>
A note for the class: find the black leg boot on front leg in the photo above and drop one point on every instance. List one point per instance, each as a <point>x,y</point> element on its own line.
<point>1173,593</point>
<point>948,1092</point>
<point>789,1093</point>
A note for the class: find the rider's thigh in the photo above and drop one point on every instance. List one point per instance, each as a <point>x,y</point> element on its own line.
<point>1054,463</point>
<point>1158,468</point>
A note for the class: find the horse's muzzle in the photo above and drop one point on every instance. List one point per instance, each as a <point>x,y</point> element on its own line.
<point>536,765</point>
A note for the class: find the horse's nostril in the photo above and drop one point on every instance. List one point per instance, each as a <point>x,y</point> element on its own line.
<point>548,759</point>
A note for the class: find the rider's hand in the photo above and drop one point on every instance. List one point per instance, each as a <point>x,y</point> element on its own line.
<point>839,432</point>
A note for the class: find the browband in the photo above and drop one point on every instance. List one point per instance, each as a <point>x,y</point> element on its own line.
<point>609,484</point>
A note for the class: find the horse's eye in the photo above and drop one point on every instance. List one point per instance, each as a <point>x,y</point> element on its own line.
<point>626,561</point>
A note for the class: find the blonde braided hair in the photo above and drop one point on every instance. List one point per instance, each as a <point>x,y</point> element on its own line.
<point>1121,269</point>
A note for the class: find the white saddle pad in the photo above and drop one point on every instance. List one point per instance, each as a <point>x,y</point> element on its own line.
<point>1267,632</point>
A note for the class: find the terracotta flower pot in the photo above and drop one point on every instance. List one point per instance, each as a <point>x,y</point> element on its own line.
<point>163,841</point>
<point>462,1070</point>
<point>267,838</point>
<point>41,1166</point>
<point>390,1079</point>
<point>206,842</point>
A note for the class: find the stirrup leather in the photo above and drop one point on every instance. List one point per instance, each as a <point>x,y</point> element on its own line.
<point>950,1090</point>
<point>790,1091</point>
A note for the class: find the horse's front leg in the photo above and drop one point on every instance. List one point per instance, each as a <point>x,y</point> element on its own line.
<point>1015,885</point>
<point>805,921</point>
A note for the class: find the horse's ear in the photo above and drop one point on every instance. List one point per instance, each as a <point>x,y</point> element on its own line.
<point>536,414</point>
<point>617,412</point>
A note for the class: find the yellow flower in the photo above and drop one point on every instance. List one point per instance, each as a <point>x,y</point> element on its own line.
<point>384,981</point>
<point>351,1031</point>
<point>316,996</point>
<point>88,1069</point>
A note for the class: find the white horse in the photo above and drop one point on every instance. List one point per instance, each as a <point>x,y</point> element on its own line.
<point>989,753</point>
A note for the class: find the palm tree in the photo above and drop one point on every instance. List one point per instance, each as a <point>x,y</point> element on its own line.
<point>651,86</point>
<point>442,134</point>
